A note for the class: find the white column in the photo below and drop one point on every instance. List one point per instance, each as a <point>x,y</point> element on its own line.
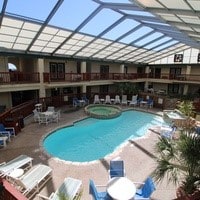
<point>121,69</point>
<point>185,90</point>
<point>188,70</point>
<point>42,92</point>
<point>83,67</point>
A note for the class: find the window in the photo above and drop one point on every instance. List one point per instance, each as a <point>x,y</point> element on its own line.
<point>173,88</point>
<point>198,57</point>
<point>57,70</point>
<point>178,58</point>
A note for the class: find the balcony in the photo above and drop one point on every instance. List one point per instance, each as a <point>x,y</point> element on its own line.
<point>19,77</point>
<point>24,78</point>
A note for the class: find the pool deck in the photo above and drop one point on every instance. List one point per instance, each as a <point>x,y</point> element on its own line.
<point>137,155</point>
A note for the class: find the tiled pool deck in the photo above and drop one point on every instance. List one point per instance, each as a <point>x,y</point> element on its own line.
<point>137,155</point>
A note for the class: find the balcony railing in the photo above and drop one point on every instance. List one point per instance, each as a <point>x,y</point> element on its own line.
<point>21,77</point>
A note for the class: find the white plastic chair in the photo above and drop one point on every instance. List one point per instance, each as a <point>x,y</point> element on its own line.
<point>133,101</point>
<point>124,100</point>
<point>107,100</point>
<point>96,99</point>
<point>117,100</point>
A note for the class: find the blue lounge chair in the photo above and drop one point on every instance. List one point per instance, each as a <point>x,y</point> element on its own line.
<point>116,168</point>
<point>146,190</point>
<point>7,131</point>
<point>97,195</point>
<point>168,132</point>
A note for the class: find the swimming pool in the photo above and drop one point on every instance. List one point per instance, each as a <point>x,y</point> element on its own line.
<point>92,139</point>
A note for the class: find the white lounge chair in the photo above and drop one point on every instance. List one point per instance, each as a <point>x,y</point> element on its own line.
<point>107,100</point>
<point>117,100</point>
<point>19,162</point>
<point>33,180</point>
<point>124,100</point>
<point>96,99</point>
<point>69,189</point>
<point>133,101</point>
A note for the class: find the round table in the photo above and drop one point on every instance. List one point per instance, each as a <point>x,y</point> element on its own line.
<point>16,173</point>
<point>121,188</point>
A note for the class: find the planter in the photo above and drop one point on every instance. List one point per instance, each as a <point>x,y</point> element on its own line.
<point>181,195</point>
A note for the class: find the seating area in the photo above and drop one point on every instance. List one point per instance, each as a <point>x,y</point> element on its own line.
<point>119,186</point>
<point>49,116</point>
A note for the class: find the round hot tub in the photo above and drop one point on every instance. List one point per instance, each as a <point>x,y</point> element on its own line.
<point>100,111</point>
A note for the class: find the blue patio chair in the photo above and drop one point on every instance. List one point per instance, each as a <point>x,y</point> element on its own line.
<point>116,168</point>
<point>146,190</point>
<point>98,195</point>
<point>7,131</point>
<point>85,99</point>
<point>76,102</point>
<point>150,103</point>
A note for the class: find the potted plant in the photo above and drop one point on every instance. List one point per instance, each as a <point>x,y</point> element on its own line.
<point>186,107</point>
<point>179,160</point>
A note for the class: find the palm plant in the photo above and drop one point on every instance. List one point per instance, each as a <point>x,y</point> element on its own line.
<point>186,107</point>
<point>179,160</point>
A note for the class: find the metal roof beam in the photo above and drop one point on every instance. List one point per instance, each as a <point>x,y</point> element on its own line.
<point>3,11</point>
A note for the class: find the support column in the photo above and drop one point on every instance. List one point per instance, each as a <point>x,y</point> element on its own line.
<point>83,70</point>
<point>83,67</point>
<point>121,69</point>
<point>42,91</point>
<point>185,89</point>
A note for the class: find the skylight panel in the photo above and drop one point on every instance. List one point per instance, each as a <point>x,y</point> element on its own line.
<point>28,34</point>
<point>7,38</point>
<point>166,45</point>
<point>45,37</point>
<point>31,26</point>
<point>72,13</point>
<point>7,45</point>
<point>41,43</point>
<point>29,8</point>
<point>137,34</point>
<point>148,39</point>
<point>9,31</point>
<point>106,16</point>
<point>158,42</point>
<point>121,29</point>
<point>175,4</point>
<point>12,23</point>
<point>23,40</point>
<point>20,46</point>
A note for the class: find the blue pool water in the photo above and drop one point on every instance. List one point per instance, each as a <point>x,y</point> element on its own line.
<point>92,139</point>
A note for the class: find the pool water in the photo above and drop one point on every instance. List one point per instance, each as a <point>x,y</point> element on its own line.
<point>92,139</point>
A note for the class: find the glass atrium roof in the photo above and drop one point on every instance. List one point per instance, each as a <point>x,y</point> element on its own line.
<point>115,30</point>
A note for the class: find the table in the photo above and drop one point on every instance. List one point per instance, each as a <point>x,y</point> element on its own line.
<point>82,102</point>
<point>143,103</point>
<point>121,188</point>
<point>16,173</point>
<point>102,100</point>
